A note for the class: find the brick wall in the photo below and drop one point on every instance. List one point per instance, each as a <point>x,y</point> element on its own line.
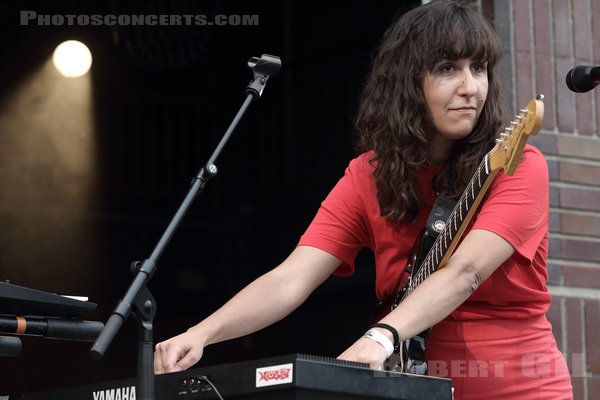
<point>543,40</point>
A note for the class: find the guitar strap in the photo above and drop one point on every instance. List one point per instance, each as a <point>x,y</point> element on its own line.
<point>440,212</point>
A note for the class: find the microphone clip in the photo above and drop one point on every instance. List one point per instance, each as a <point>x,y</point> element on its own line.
<point>262,68</point>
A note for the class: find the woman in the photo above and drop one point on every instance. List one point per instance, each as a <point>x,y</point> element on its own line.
<point>428,114</point>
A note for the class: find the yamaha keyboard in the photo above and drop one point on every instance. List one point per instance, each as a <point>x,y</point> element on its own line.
<point>295,376</point>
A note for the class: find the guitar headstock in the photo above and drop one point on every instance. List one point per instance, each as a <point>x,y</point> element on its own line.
<point>509,146</point>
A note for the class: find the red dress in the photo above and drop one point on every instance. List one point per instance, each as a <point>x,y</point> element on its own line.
<point>498,343</point>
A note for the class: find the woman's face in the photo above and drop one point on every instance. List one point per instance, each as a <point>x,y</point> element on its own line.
<point>455,92</point>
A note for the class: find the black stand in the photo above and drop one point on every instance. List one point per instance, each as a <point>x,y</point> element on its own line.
<point>138,294</point>
<point>10,346</point>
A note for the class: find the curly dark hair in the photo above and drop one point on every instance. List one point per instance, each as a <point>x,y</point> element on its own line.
<point>392,113</point>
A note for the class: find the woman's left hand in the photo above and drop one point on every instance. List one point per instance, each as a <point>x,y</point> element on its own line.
<point>365,350</point>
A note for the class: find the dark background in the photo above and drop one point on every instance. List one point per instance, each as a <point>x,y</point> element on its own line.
<point>90,181</point>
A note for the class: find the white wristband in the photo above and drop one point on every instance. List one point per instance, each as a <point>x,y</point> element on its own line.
<point>380,338</point>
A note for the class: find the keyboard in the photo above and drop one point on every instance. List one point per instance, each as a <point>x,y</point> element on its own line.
<point>295,376</point>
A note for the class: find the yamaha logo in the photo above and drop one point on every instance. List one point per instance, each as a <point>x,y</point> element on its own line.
<point>124,393</point>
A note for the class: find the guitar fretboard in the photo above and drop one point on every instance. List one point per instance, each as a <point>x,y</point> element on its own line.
<point>481,178</point>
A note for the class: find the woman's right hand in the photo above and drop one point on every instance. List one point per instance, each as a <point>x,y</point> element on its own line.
<point>178,353</point>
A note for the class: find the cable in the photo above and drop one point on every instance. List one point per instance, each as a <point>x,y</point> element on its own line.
<point>205,378</point>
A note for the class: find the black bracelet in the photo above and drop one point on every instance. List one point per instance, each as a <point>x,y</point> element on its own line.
<point>392,330</point>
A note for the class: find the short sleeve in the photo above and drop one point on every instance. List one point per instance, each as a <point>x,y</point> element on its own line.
<point>517,206</point>
<point>339,227</point>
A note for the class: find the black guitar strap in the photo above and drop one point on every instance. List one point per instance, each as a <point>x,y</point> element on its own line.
<point>440,212</point>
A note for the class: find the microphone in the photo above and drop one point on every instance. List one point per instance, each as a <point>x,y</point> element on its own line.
<point>583,78</point>
<point>52,328</point>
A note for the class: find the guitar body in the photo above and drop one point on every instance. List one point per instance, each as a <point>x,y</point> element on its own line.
<point>433,249</point>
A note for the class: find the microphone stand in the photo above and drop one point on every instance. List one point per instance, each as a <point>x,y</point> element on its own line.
<point>138,296</point>
<point>10,346</point>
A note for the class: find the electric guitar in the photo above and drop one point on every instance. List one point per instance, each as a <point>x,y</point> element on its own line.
<point>506,155</point>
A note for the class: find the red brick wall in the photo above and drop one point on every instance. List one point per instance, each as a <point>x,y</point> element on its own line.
<point>543,40</point>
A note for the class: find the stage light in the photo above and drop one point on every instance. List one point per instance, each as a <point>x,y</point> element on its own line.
<point>72,58</point>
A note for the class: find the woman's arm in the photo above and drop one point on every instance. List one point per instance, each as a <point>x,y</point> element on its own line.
<point>477,257</point>
<point>263,302</point>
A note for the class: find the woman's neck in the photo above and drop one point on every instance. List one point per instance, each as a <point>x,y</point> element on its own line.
<point>440,148</point>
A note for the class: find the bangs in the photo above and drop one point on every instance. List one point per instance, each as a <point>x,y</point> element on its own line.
<point>454,34</point>
<point>463,40</point>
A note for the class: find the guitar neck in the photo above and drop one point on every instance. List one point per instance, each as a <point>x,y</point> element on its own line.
<point>458,220</point>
